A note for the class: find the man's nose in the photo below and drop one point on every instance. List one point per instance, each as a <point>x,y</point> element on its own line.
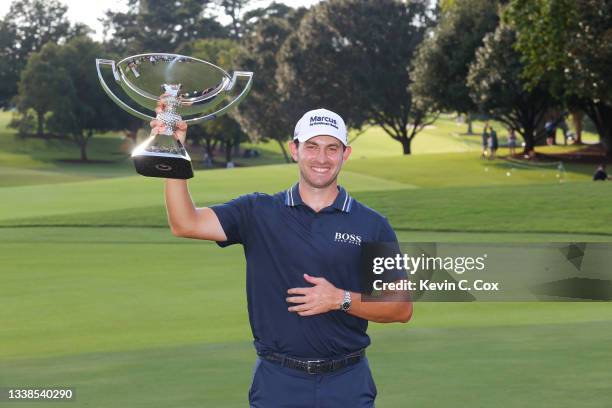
<point>321,156</point>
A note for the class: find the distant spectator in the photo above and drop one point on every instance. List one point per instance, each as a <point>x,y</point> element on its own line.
<point>600,173</point>
<point>493,144</point>
<point>512,142</point>
<point>207,160</point>
<point>249,153</point>
<point>550,130</point>
<point>485,142</point>
<point>565,129</point>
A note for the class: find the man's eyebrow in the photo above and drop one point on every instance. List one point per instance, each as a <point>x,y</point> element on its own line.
<point>333,144</point>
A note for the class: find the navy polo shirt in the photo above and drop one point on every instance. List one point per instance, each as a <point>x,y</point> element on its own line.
<point>283,239</point>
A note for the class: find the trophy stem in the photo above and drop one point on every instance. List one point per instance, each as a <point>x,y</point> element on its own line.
<point>161,155</point>
<point>169,115</point>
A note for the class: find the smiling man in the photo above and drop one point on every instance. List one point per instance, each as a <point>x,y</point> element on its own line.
<point>302,248</point>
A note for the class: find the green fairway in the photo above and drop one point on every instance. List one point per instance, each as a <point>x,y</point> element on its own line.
<point>132,316</point>
<point>96,293</point>
<point>470,209</point>
<point>116,311</point>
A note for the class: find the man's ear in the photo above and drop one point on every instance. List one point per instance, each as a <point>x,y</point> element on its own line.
<point>346,153</point>
<point>293,149</point>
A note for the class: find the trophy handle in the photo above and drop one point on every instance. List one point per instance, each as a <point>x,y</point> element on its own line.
<point>230,86</point>
<point>110,93</point>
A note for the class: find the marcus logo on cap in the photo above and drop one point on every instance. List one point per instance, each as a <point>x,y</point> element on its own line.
<point>320,122</point>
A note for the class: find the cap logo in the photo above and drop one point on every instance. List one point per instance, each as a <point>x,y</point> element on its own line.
<point>323,120</point>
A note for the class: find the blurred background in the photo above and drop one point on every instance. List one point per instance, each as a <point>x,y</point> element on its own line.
<point>470,121</point>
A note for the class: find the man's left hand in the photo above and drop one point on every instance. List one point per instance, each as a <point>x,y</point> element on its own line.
<point>320,298</point>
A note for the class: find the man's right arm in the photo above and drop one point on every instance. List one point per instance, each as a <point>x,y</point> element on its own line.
<point>185,219</point>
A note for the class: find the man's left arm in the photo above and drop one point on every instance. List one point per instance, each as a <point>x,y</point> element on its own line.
<point>396,309</point>
<point>324,297</point>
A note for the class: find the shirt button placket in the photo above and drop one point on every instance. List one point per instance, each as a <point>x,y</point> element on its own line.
<point>317,224</point>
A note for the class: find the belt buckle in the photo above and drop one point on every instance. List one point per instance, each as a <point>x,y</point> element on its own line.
<point>310,367</point>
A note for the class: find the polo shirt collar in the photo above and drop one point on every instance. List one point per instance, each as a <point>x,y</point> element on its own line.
<point>343,201</point>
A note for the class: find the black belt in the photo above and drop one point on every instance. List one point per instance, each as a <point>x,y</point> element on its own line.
<point>314,366</point>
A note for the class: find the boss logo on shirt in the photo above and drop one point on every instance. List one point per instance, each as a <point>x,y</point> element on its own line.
<point>347,238</point>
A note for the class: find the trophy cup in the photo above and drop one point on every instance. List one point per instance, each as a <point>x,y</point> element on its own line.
<point>190,88</point>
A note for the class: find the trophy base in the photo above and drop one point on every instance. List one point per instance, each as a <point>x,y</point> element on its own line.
<point>162,166</point>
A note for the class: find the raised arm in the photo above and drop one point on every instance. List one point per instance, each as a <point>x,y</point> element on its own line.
<point>184,218</point>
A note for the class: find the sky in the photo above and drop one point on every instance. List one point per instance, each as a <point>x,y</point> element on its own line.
<point>89,11</point>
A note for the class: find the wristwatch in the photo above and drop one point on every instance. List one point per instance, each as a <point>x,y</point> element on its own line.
<point>346,302</point>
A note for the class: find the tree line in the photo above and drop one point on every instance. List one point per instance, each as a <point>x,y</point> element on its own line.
<point>389,63</point>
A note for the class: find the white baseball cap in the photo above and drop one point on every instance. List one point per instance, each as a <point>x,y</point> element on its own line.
<point>320,122</point>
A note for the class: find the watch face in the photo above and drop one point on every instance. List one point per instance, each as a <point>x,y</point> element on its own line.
<point>346,305</point>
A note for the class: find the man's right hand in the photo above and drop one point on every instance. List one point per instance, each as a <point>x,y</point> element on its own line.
<point>180,132</point>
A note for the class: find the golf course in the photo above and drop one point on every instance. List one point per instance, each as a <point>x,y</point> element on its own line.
<point>96,294</point>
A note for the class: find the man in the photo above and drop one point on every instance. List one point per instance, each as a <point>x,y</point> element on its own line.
<point>600,174</point>
<point>512,141</point>
<point>493,143</point>
<point>485,142</point>
<point>550,129</point>
<point>302,248</point>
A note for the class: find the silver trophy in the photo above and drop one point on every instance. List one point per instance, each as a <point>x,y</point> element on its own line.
<point>191,90</point>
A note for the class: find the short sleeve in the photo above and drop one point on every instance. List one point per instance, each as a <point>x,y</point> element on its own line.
<point>387,236</point>
<point>234,217</point>
<point>386,233</point>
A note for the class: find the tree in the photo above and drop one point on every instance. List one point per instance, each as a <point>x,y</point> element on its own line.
<point>568,44</point>
<point>233,9</point>
<point>498,90</point>
<point>251,18</point>
<point>228,132</point>
<point>9,69</point>
<point>44,84</point>
<point>157,26</point>
<point>28,26</point>
<point>440,69</point>
<point>446,4</point>
<point>59,81</point>
<point>264,114</point>
<point>91,111</point>
<point>352,56</point>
